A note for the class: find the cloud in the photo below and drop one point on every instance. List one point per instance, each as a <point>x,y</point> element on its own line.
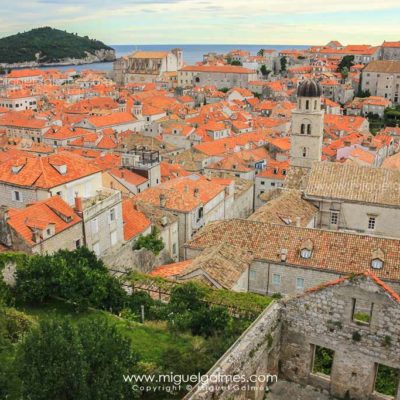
<point>202,21</point>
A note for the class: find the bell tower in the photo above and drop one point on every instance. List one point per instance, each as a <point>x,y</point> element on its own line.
<point>307,126</point>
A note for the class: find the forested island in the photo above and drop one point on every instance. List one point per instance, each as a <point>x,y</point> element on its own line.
<point>49,46</point>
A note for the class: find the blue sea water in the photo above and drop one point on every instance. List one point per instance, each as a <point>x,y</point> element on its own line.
<point>191,52</point>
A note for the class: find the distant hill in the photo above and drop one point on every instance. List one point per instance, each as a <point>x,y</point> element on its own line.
<point>50,46</point>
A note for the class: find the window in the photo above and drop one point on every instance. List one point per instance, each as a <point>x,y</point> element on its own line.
<point>387,380</point>
<point>322,360</point>
<point>48,232</point>
<point>307,104</point>
<point>362,311</point>
<point>200,213</point>
<point>16,195</point>
<point>300,283</point>
<point>304,152</point>
<point>302,129</point>
<point>276,279</point>
<point>305,253</point>
<point>174,248</point>
<point>112,215</point>
<point>334,218</point>
<point>253,275</point>
<point>95,225</point>
<point>309,129</point>
<point>371,223</point>
<point>377,263</point>
<point>78,243</point>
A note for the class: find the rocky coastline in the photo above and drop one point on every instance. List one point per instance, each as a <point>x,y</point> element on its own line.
<point>103,55</point>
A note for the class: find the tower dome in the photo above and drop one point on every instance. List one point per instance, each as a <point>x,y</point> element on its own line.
<point>309,88</point>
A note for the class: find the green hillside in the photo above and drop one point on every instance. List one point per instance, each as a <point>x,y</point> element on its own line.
<point>53,45</point>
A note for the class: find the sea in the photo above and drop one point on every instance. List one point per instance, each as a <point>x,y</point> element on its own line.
<point>192,53</point>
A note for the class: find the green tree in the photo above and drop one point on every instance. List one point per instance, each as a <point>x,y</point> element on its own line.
<point>345,72</point>
<point>187,297</point>
<point>260,53</point>
<point>108,356</point>
<point>236,62</point>
<point>209,321</point>
<point>76,276</point>
<point>346,61</point>
<point>61,362</point>
<point>50,363</point>
<point>151,242</point>
<point>364,93</point>
<point>283,63</point>
<point>265,72</point>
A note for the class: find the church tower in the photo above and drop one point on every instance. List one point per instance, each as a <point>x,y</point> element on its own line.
<point>307,126</point>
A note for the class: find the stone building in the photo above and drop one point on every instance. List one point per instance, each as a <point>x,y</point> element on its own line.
<point>341,337</point>
<point>195,200</point>
<point>390,51</point>
<point>355,198</point>
<point>146,66</point>
<point>307,126</point>
<point>221,76</point>
<point>42,227</point>
<point>382,78</point>
<point>289,259</point>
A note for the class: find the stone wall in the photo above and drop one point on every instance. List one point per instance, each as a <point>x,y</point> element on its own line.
<point>325,318</point>
<point>254,353</point>
<point>284,337</point>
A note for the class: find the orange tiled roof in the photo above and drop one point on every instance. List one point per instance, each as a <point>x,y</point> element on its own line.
<point>170,270</point>
<point>112,119</point>
<point>180,193</point>
<point>40,215</point>
<point>135,222</point>
<point>333,251</point>
<point>42,171</point>
<point>225,69</point>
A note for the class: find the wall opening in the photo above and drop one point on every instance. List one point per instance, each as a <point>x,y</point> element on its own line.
<point>387,380</point>
<point>362,312</point>
<point>322,361</point>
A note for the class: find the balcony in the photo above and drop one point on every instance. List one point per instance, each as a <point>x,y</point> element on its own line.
<point>101,201</point>
<point>140,159</point>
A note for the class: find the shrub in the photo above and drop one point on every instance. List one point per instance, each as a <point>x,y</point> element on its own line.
<point>151,242</point>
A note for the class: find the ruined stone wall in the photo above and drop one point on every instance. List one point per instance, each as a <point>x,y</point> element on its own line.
<point>325,318</point>
<point>254,353</point>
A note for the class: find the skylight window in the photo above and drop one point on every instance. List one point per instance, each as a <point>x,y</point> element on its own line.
<point>377,263</point>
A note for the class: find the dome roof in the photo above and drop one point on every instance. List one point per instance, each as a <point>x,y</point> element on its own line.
<point>309,88</point>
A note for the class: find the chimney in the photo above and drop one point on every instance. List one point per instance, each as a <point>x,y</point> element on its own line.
<point>298,222</point>
<point>283,255</point>
<point>163,200</point>
<point>196,193</point>
<point>78,203</point>
<point>186,189</point>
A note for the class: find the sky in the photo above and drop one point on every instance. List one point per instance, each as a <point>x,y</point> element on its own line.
<point>308,22</point>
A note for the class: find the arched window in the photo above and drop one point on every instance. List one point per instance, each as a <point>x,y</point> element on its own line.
<point>309,129</point>
<point>315,104</point>
<point>307,104</point>
<point>303,129</point>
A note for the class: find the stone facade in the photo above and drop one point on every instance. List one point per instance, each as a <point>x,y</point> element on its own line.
<point>307,132</point>
<point>382,78</point>
<point>254,353</point>
<point>325,318</point>
<point>286,334</point>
